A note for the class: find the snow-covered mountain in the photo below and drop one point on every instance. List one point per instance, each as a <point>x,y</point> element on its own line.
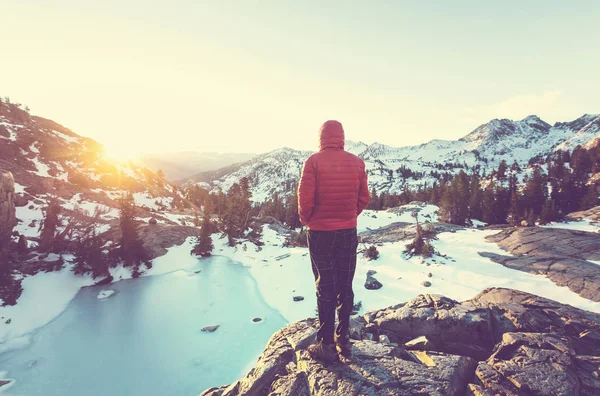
<point>391,168</point>
<point>48,160</point>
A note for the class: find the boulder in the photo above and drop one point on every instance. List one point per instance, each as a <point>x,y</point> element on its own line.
<point>210,329</point>
<point>298,298</point>
<point>372,283</point>
<point>500,342</point>
<point>21,200</point>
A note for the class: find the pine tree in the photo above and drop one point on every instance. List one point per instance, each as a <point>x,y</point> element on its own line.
<point>488,203</point>
<point>514,214</point>
<point>131,248</point>
<point>374,202</point>
<point>462,197</point>
<point>291,211</point>
<point>89,255</point>
<point>501,173</point>
<point>435,194</point>
<point>536,192</point>
<point>502,204</point>
<point>475,200</point>
<point>547,215</point>
<point>204,244</point>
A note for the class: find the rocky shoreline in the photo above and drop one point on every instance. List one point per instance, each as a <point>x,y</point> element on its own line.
<point>502,341</point>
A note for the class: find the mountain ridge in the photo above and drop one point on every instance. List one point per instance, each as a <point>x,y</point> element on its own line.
<point>391,168</point>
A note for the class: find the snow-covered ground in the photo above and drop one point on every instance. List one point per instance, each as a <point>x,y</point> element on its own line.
<point>581,225</point>
<point>460,275</point>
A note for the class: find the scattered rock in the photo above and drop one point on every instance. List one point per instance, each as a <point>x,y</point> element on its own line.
<point>152,221</point>
<point>256,320</point>
<point>104,294</point>
<point>8,321</point>
<point>525,223</point>
<point>298,298</point>
<point>210,329</point>
<point>371,272</point>
<point>371,283</point>
<point>357,328</point>
<point>429,275</point>
<point>383,339</point>
<point>426,283</point>
<point>21,200</point>
<point>197,271</point>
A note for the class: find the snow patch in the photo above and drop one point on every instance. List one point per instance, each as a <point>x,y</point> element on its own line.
<point>582,225</point>
<point>45,296</point>
<point>42,169</point>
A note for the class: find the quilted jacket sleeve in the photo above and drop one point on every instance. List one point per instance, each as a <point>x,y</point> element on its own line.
<point>363,193</point>
<point>306,191</point>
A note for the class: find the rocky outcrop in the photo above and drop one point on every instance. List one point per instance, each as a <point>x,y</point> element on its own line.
<point>502,341</point>
<point>559,254</point>
<point>158,238</point>
<point>401,231</point>
<point>8,218</point>
<point>592,214</point>
<point>549,242</point>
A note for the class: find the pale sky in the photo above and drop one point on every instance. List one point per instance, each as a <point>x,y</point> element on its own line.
<point>252,76</point>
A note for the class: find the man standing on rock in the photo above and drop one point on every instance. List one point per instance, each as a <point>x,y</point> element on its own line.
<point>333,191</point>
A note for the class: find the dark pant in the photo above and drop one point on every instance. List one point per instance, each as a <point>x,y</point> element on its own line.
<point>333,258</point>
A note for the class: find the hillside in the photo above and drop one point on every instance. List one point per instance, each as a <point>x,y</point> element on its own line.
<point>392,168</point>
<point>50,161</point>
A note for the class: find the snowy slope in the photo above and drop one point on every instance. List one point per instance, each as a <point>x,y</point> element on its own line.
<point>484,148</point>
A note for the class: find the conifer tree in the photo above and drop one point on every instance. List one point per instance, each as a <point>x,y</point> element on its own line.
<point>89,255</point>
<point>374,202</point>
<point>488,204</point>
<point>204,245</point>
<point>501,173</point>
<point>475,200</point>
<point>130,248</point>
<point>514,214</point>
<point>435,194</point>
<point>536,192</point>
<point>291,211</point>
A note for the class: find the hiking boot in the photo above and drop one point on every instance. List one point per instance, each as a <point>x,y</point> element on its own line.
<point>343,347</point>
<point>323,352</point>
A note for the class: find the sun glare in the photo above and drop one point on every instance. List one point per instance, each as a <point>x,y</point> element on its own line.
<point>120,153</point>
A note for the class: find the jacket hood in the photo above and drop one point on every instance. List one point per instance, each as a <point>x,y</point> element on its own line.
<point>331,135</point>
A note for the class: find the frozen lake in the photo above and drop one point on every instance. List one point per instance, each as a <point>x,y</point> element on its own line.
<point>145,339</point>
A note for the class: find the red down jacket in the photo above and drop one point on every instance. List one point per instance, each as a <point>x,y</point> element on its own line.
<point>333,187</point>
